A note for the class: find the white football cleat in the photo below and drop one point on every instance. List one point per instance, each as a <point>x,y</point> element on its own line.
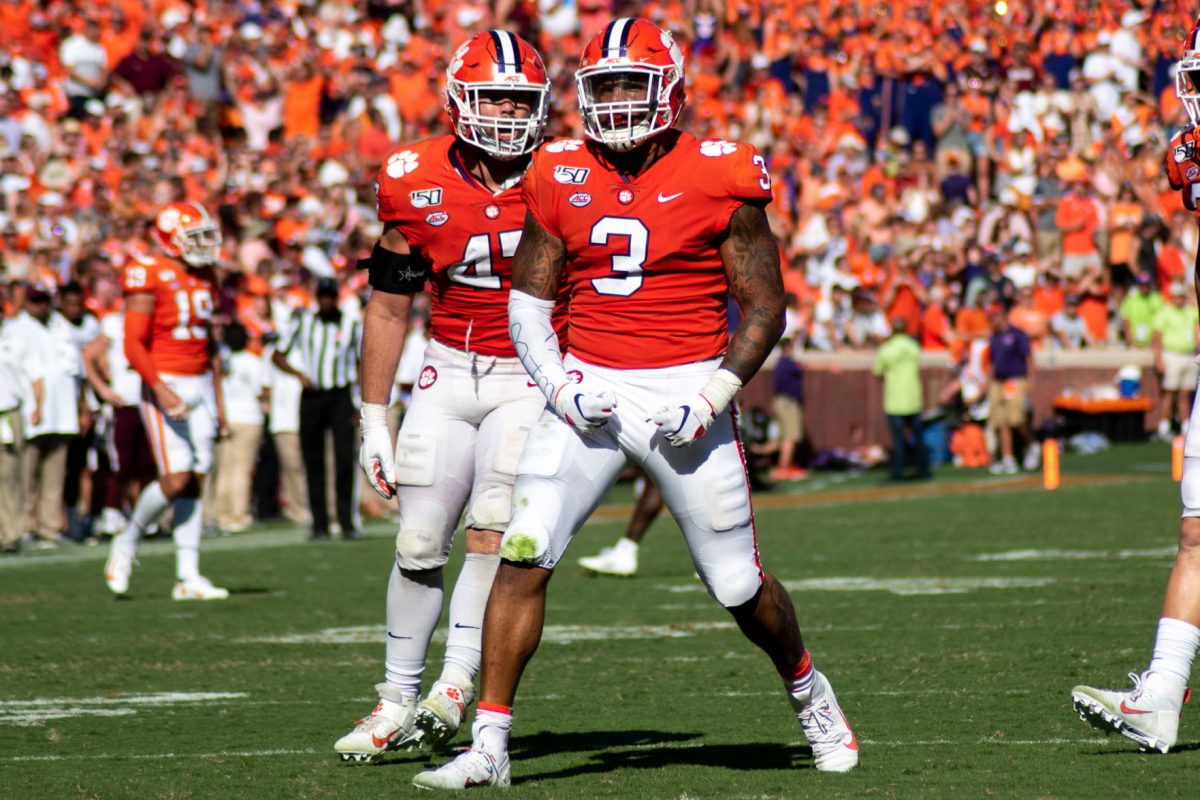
<point>118,569</point>
<point>834,746</point>
<point>1148,716</point>
<point>616,560</point>
<point>441,713</point>
<point>472,768</point>
<point>198,588</point>
<point>380,731</point>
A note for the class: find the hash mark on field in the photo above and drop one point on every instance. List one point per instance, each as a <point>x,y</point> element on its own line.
<point>162,756</point>
<point>552,634</point>
<point>40,709</point>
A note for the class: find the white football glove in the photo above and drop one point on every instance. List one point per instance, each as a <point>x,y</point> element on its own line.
<point>377,454</point>
<point>586,410</point>
<point>686,419</point>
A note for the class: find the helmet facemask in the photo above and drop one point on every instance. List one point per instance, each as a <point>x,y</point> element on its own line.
<point>199,245</point>
<point>502,137</point>
<point>1187,84</point>
<point>641,106</point>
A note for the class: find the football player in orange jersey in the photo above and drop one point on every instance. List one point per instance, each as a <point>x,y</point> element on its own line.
<point>168,310</point>
<point>1149,712</point>
<point>650,230</point>
<point>453,211</point>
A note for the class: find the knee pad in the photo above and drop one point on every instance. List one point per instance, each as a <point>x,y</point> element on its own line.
<point>491,509</point>
<point>421,548</point>
<point>729,569</point>
<point>527,544</point>
<point>1189,487</point>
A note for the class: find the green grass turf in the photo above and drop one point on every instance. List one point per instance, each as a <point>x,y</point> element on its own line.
<point>952,695</point>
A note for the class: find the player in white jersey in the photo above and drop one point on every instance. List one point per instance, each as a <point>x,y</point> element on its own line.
<point>453,211</point>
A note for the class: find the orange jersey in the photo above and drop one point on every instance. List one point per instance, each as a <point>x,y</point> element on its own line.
<point>466,235</point>
<point>183,305</point>
<point>1182,164</point>
<point>646,283</point>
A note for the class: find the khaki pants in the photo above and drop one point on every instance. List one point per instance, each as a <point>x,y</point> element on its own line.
<point>236,455</point>
<point>44,475</point>
<point>12,489</point>
<point>291,474</point>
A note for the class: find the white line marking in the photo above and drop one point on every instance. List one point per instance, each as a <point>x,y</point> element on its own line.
<point>898,586</point>
<point>1076,555</point>
<point>38,710</point>
<point>552,634</point>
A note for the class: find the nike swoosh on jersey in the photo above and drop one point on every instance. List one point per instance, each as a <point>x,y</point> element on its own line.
<point>666,198</point>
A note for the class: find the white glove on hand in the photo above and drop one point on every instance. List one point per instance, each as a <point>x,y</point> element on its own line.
<point>687,419</point>
<point>377,454</point>
<point>583,409</point>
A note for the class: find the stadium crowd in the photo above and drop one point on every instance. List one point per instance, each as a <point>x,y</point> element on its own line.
<point>936,162</point>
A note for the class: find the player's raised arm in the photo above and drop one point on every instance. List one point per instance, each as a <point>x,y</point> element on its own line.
<point>751,257</point>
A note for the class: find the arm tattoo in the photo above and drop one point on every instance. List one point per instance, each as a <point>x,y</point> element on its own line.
<point>751,257</point>
<point>538,261</point>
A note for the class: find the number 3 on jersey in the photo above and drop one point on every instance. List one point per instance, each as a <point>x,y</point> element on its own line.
<point>195,312</point>
<point>476,267</point>
<point>628,264</point>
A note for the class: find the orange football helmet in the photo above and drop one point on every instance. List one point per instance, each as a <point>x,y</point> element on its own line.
<point>1187,75</point>
<point>630,83</point>
<point>495,66</point>
<point>186,231</point>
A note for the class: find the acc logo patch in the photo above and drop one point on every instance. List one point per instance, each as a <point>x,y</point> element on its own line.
<point>437,218</point>
<point>564,146</point>
<point>579,199</point>
<point>1184,152</point>
<point>1192,172</point>
<point>717,147</point>
<point>166,275</point>
<point>428,378</point>
<point>400,164</point>
<point>571,175</point>
<point>423,198</point>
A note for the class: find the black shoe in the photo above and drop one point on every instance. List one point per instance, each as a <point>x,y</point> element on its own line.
<point>10,549</point>
<point>319,536</point>
<point>350,535</point>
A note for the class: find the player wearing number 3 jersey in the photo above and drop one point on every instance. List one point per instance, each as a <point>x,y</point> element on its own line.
<point>168,309</point>
<point>650,230</point>
<point>453,212</point>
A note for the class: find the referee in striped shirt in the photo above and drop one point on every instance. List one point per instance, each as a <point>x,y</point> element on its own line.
<point>327,342</point>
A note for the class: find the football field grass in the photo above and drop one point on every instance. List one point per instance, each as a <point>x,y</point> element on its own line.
<point>952,618</point>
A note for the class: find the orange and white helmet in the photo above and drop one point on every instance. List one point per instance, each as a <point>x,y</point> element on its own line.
<point>1187,75</point>
<point>186,231</point>
<point>495,66</point>
<point>641,63</point>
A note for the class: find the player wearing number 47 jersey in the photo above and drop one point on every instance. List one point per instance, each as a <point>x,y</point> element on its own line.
<point>649,229</point>
<point>453,211</point>
<point>168,308</point>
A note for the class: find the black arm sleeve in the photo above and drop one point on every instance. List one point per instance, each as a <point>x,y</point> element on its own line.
<point>394,273</point>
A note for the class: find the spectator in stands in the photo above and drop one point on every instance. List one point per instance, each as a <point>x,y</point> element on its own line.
<point>898,363</point>
<point>787,407</point>
<point>1078,219</point>
<point>1070,330</point>
<point>1012,365</point>
<point>1138,310</point>
<point>1175,357</point>
<point>1028,317</point>
<point>867,325</point>
<point>86,63</point>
